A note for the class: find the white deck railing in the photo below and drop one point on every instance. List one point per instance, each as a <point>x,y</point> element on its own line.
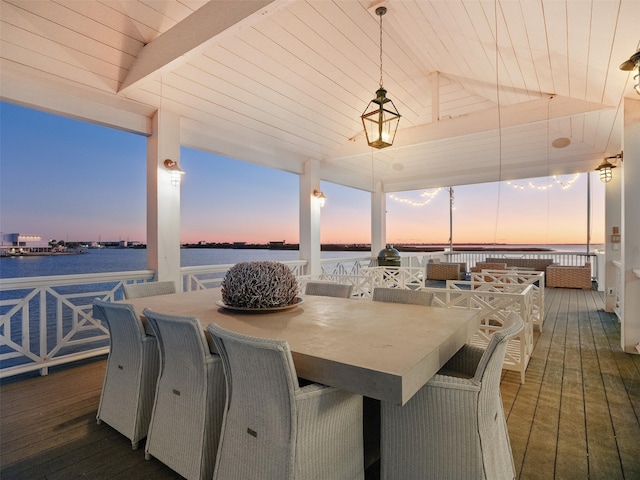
<point>48,321</point>
<point>561,258</point>
<point>536,279</point>
<point>495,304</point>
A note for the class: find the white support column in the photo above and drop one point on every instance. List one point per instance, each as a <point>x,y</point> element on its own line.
<point>612,218</point>
<point>163,199</point>
<point>310,217</point>
<point>378,219</point>
<point>630,228</point>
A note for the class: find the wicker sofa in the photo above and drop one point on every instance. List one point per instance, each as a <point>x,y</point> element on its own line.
<point>537,264</point>
<point>569,276</point>
<point>488,266</point>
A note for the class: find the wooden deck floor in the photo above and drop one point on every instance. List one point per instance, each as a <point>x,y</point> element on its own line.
<point>576,417</point>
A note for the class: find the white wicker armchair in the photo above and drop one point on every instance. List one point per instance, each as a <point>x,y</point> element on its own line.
<point>273,428</point>
<point>402,295</point>
<point>187,414</point>
<point>148,289</point>
<point>132,371</point>
<point>454,427</point>
<point>328,289</point>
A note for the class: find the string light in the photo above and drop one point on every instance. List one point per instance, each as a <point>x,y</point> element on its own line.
<point>427,195</point>
<point>564,184</point>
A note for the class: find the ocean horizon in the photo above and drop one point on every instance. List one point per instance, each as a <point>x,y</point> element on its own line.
<point>130,259</point>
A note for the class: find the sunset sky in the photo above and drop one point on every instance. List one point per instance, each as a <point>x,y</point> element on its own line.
<point>69,180</point>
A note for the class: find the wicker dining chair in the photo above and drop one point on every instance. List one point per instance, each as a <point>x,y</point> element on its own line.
<point>130,379</point>
<point>371,405</point>
<point>187,413</point>
<point>402,295</point>
<point>328,289</point>
<point>148,289</point>
<point>275,429</point>
<point>454,426</point>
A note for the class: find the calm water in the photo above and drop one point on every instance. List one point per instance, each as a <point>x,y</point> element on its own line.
<point>121,260</point>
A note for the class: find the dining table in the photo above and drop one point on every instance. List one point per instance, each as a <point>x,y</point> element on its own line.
<point>386,351</point>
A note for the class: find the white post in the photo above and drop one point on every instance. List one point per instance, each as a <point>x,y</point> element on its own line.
<point>378,219</point>
<point>310,217</point>
<point>630,228</point>
<point>163,199</point>
<point>451,219</point>
<point>612,218</point>
<point>588,213</point>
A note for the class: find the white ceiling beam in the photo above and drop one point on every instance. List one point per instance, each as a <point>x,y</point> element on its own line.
<point>45,92</point>
<point>475,175</point>
<point>208,24</point>
<point>484,121</point>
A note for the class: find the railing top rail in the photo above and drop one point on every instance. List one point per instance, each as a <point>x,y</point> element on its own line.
<point>62,280</point>
<point>518,253</point>
<point>346,259</point>
<point>227,266</point>
<point>526,288</point>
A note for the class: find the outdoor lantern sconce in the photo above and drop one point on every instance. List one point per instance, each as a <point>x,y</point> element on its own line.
<point>615,236</point>
<point>605,168</point>
<point>381,118</point>
<point>320,196</point>
<point>175,171</point>
<point>633,64</point>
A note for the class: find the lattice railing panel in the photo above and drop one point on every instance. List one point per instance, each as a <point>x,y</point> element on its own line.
<point>47,321</point>
<point>524,278</point>
<point>495,307</point>
<point>397,277</point>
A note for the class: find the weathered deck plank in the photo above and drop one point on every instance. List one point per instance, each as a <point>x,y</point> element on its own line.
<point>577,415</point>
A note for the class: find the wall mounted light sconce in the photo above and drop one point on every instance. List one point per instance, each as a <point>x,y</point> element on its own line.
<point>605,168</point>
<point>615,236</point>
<point>175,171</point>
<point>614,239</point>
<point>320,196</point>
<point>633,64</point>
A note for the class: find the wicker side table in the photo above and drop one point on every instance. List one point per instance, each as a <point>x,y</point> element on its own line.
<point>444,271</point>
<point>569,277</point>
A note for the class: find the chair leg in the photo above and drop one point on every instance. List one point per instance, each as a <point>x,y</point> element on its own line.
<point>147,456</point>
<point>134,445</point>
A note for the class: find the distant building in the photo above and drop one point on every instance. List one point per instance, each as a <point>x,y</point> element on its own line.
<point>18,243</point>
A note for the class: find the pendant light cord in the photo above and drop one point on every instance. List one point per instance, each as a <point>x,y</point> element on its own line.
<point>382,12</point>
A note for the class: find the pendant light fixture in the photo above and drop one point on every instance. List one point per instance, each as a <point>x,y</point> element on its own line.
<point>381,118</point>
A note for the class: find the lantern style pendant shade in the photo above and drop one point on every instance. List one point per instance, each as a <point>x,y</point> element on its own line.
<point>380,120</point>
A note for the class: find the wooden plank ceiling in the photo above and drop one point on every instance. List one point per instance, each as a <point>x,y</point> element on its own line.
<point>483,87</point>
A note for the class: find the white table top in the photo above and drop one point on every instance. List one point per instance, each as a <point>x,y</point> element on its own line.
<point>381,350</point>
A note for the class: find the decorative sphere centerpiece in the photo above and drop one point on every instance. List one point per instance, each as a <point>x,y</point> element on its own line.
<point>259,285</point>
